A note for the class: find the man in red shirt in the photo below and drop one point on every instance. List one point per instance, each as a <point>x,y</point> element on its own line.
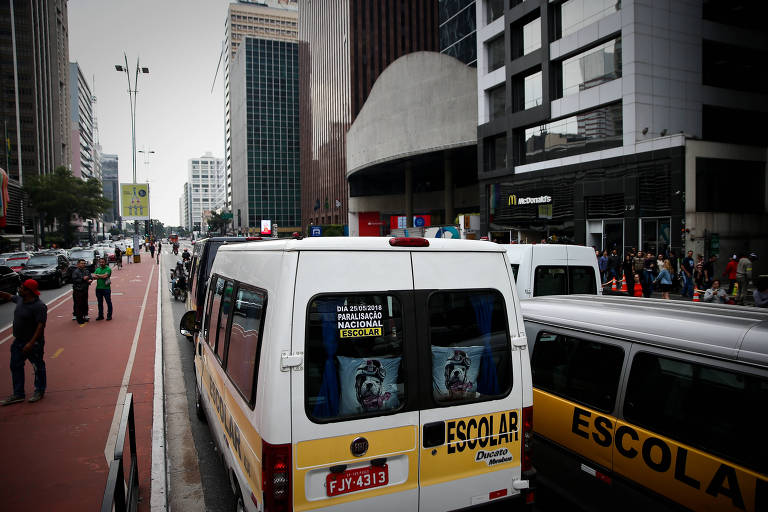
<point>730,272</point>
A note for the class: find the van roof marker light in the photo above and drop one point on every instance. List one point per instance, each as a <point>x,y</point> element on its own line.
<point>408,242</point>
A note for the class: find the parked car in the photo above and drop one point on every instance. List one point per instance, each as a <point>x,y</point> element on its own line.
<point>9,280</point>
<point>90,256</point>
<point>46,268</point>
<point>16,260</point>
<point>107,252</point>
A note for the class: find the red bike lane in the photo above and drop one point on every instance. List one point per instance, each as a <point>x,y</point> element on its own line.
<point>53,451</point>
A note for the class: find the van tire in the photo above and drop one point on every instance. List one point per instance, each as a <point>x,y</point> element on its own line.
<point>199,406</point>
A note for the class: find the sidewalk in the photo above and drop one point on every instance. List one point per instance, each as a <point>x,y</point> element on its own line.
<point>54,452</point>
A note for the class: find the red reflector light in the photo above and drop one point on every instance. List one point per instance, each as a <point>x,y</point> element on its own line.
<point>276,476</point>
<point>497,494</point>
<point>251,238</point>
<point>527,438</point>
<point>530,498</point>
<point>408,242</point>
<point>603,477</point>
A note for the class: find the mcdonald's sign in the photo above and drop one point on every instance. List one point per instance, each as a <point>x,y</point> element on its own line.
<point>513,200</point>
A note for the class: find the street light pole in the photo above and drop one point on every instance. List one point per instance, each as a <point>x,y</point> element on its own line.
<point>132,100</point>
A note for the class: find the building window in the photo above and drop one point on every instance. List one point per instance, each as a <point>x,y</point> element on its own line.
<point>715,175</point>
<point>496,103</point>
<point>592,130</point>
<point>495,53</point>
<point>573,15</point>
<point>495,153</point>
<point>734,67</point>
<point>532,88</point>
<point>494,9</point>
<point>531,36</point>
<point>736,126</point>
<point>592,67</point>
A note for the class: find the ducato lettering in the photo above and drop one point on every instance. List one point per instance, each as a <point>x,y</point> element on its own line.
<point>657,455</point>
<point>473,432</point>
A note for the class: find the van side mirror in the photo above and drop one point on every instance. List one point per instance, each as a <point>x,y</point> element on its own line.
<point>187,327</point>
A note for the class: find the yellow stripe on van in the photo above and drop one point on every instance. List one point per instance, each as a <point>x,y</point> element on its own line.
<point>474,445</point>
<point>686,475</point>
<point>315,457</point>
<point>243,440</point>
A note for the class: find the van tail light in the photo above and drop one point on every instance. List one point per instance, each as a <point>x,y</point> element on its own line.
<point>408,242</point>
<point>276,477</point>
<point>527,438</point>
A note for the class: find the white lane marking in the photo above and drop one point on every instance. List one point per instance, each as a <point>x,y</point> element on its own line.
<point>158,488</point>
<point>109,449</point>
<point>49,310</point>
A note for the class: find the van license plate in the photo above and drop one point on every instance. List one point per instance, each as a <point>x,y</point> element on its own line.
<point>356,480</point>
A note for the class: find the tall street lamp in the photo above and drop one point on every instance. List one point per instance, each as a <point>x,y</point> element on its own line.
<point>132,99</point>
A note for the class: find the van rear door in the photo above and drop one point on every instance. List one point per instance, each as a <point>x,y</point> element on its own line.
<point>355,422</point>
<point>471,418</point>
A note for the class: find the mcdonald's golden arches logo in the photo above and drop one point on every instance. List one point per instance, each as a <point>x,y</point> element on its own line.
<point>512,200</point>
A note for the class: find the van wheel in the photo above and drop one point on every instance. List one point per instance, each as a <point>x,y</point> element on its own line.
<point>199,406</point>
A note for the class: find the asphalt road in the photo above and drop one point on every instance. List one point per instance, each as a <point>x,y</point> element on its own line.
<point>47,295</point>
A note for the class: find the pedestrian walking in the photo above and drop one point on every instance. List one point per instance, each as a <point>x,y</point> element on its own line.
<point>628,271</point>
<point>602,264</point>
<point>744,275</point>
<point>81,279</point>
<point>715,294</point>
<point>648,276</point>
<point>103,275</point>
<point>730,272</point>
<point>698,272</point>
<point>664,279</point>
<point>687,275</point>
<point>614,265</point>
<point>709,271</point>
<point>152,250</point>
<point>29,319</point>
<point>129,254</point>
<point>159,250</point>
<point>118,258</point>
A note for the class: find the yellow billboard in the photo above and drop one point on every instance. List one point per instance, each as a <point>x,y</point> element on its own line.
<point>134,201</point>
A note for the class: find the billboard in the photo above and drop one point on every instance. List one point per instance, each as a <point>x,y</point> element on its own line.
<point>266,227</point>
<point>134,201</point>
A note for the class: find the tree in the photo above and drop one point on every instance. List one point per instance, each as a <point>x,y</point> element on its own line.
<point>217,222</point>
<point>59,195</point>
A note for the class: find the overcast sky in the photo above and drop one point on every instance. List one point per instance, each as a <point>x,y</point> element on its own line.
<point>177,114</point>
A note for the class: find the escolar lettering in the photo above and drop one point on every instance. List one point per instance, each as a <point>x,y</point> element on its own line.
<point>360,333</point>
<point>485,432</point>
<point>657,455</point>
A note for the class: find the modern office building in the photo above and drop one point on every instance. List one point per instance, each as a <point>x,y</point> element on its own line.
<point>620,124</point>
<point>269,19</point>
<point>205,182</point>
<point>264,97</point>
<point>34,99</point>
<point>82,140</point>
<point>344,47</point>
<point>184,218</point>
<point>457,31</point>
<point>110,186</point>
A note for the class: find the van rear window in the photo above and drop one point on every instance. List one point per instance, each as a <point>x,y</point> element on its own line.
<point>470,346</point>
<point>354,356</point>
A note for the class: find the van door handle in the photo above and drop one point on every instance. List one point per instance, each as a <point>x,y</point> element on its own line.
<point>434,434</point>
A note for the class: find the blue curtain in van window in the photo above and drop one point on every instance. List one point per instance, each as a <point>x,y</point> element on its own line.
<point>328,398</point>
<point>487,381</point>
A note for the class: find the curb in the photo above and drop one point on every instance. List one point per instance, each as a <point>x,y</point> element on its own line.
<point>158,494</point>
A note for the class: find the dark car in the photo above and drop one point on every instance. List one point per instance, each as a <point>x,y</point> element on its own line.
<point>91,257</point>
<point>9,280</point>
<point>46,268</point>
<point>16,260</point>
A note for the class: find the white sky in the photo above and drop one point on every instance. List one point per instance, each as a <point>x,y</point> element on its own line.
<point>177,116</point>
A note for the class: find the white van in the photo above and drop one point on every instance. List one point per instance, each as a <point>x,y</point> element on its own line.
<point>553,269</point>
<point>366,374</point>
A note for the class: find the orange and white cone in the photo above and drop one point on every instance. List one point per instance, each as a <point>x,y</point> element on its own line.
<point>696,296</point>
<point>613,284</point>
<point>624,284</point>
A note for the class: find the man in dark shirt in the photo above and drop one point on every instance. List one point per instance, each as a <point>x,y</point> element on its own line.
<point>28,328</point>
<point>687,267</point>
<point>81,279</point>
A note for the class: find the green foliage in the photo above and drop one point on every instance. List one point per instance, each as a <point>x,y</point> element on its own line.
<point>59,196</point>
<point>114,230</point>
<point>218,223</point>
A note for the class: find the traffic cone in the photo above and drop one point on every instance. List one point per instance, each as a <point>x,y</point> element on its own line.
<point>624,284</point>
<point>696,296</point>
<point>638,292</point>
<point>613,284</point>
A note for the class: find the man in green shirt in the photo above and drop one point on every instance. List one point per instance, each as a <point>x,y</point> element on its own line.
<point>103,288</point>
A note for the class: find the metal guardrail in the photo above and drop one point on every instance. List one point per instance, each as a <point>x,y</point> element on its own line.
<point>119,495</point>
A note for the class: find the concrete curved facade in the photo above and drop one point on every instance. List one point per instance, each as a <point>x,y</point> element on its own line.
<point>422,103</point>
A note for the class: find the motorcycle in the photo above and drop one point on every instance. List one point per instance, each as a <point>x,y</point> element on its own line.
<point>176,249</point>
<point>178,283</point>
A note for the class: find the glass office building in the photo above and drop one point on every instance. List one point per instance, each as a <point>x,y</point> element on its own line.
<point>264,108</point>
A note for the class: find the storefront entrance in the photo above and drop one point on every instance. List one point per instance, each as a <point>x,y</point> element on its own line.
<point>655,235</point>
<point>606,235</point>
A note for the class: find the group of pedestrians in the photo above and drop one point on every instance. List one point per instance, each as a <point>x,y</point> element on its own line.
<point>81,281</point>
<point>668,274</point>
